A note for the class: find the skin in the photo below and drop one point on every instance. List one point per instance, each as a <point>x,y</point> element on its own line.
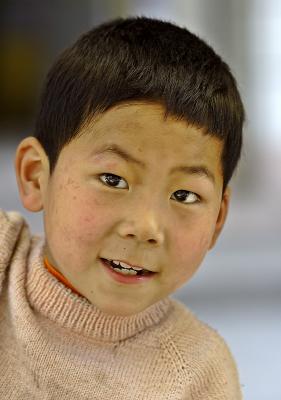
<point>140,218</point>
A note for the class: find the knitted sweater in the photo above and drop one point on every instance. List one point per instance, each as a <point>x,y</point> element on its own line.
<point>55,344</point>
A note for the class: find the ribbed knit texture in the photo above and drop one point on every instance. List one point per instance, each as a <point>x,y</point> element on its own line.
<point>60,277</point>
<point>55,344</point>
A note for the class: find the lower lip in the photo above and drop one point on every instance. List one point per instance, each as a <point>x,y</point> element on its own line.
<point>126,278</point>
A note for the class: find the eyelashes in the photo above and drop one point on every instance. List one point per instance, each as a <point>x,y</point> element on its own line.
<point>192,197</point>
<point>111,179</point>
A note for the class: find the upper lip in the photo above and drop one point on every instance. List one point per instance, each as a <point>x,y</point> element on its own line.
<point>131,264</point>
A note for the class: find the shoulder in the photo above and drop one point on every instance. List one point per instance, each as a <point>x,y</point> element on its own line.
<point>188,327</point>
<point>190,332</point>
<point>11,223</point>
<point>11,228</point>
<point>208,366</point>
<point>9,218</point>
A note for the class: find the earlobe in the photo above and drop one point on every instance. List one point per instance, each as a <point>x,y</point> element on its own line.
<point>221,216</point>
<point>31,167</point>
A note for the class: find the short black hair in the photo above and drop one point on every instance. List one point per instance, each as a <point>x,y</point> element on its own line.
<point>141,58</point>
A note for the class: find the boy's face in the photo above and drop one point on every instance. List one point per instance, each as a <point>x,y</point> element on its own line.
<point>149,216</point>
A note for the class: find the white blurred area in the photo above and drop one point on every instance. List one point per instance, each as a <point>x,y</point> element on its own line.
<point>238,288</point>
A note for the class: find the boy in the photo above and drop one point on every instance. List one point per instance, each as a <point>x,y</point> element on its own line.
<point>138,135</point>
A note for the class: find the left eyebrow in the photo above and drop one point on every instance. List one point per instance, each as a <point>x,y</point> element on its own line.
<point>199,170</point>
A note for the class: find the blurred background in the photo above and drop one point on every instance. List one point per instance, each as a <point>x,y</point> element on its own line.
<point>238,288</point>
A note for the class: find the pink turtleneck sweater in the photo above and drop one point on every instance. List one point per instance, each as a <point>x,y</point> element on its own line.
<point>55,344</point>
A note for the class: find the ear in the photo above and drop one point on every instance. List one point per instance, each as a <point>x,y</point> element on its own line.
<point>221,216</point>
<point>32,173</point>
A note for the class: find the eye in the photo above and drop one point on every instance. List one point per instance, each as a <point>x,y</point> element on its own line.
<point>191,197</point>
<point>111,180</point>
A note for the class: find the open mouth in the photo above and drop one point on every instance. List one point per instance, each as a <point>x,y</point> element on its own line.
<point>126,271</point>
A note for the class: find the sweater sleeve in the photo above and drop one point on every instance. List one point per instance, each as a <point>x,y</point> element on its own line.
<point>10,227</point>
<point>218,377</point>
<point>205,364</point>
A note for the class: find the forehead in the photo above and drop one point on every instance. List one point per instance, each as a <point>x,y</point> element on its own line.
<point>142,129</point>
<point>143,122</point>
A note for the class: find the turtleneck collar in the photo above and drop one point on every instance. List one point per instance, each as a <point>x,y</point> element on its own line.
<point>51,297</point>
<point>59,276</point>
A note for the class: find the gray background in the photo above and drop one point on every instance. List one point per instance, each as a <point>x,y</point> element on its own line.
<point>237,289</point>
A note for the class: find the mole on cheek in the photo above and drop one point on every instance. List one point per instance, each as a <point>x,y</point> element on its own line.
<point>69,181</point>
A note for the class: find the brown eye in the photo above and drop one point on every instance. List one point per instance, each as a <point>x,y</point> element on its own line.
<point>190,197</point>
<point>111,180</point>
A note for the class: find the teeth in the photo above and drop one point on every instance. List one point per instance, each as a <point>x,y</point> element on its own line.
<point>127,271</point>
<point>124,265</point>
<point>124,271</point>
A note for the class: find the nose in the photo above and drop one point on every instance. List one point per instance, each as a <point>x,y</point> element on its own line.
<point>144,224</point>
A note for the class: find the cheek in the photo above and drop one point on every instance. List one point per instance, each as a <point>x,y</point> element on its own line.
<point>75,219</point>
<point>191,245</point>
<point>85,221</point>
<point>189,249</point>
